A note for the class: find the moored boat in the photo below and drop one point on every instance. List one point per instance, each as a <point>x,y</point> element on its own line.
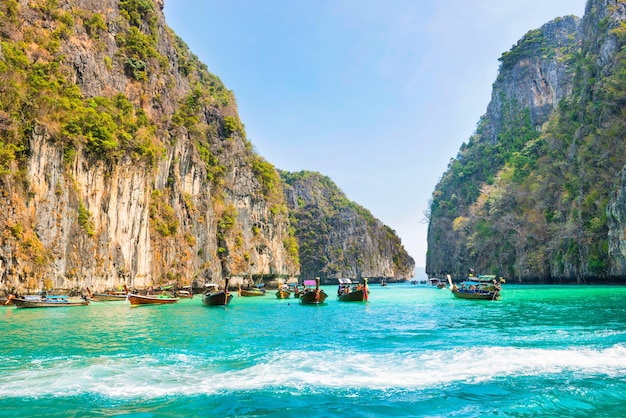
<point>212,296</point>
<point>283,292</point>
<point>312,294</point>
<point>45,301</point>
<point>352,292</point>
<point>106,296</point>
<point>482,287</point>
<point>183,294</point>
<point>257,290</point>
<point>296,290</point>
<point>137,300</point>
<point>437,282</point>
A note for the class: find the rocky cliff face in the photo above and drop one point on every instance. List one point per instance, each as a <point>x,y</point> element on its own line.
<point>550,207</point>
<point>339,238</point>
<point>535,75</point>
<point>605,48</point>
<point>123,160</point>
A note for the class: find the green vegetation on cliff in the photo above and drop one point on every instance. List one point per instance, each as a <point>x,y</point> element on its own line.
<point>533,205</point>
<point>337,237</point>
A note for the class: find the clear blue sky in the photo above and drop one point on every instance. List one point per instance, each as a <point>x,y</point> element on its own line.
<point>377,95</point>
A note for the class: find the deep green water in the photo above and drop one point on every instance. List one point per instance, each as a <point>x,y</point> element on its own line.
<point>412,351</point>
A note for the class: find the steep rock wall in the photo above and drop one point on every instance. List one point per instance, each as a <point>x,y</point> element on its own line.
<point>195,211</point>
<point>338,238</point>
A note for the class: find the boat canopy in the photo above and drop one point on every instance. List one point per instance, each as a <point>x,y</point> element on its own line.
<point>473,283</point>
<point>309,282</point>
<point>345,281</point>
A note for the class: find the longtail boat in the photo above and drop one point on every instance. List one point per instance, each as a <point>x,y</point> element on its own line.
<point>212,296</point>
<point>106,296</point>
<point>183,294</point>
<point>45,301</point>
<point>312,294</point>
<point>482,287</point>
<point>254,291</point>
<point>136,300</point>
<point>283,292</point>
<point>352,292</point>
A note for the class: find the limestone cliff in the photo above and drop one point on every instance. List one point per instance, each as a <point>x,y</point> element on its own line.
<point>535,75</point>
<point>538,193</point>
<point>122,159</point>
<point>338,238</point>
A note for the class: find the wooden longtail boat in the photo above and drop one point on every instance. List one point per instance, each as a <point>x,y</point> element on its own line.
<point>283,292</point>
<point>312,295</point>
<point>352,292</point>
<point>254,291</point>
<point>106,296</point>
<point>136,300</point>
<point>183,294</point>
<point>215,297</point>
<point>45,301</point>
<point>482,287</point>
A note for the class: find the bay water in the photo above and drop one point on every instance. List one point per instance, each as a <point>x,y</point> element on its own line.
<point>411,351</point>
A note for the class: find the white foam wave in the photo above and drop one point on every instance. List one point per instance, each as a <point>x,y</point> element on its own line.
<point>151,377</point>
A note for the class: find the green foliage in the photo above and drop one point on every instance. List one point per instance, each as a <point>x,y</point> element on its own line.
<point>162,215</point>
<point>8,153</point>
<point>10,9</point>
<point>84,219</point>
<point>228,218</point>
<point>266,174</point>
<point>17,230</point>
<point>95,25</point>
<point>230,125</point>
<point>135,11</point>
<point>111,127</point>
<point>215,171</point>
<point>135,68</point>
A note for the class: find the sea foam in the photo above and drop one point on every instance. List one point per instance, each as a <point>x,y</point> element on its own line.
<point>187,374</point>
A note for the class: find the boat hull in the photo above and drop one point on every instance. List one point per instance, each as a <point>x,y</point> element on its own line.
<point>31,303</point>
<point>311,297</point>
<point>283,294</point>
<point>107,297</point>
<point>216,299</point>
<point>250,293</point>
<point>355,296</point>
<point>137,300</point>
<point>478,296</point>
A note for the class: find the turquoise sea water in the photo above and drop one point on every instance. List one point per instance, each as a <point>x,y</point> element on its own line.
<point>411,351</point>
